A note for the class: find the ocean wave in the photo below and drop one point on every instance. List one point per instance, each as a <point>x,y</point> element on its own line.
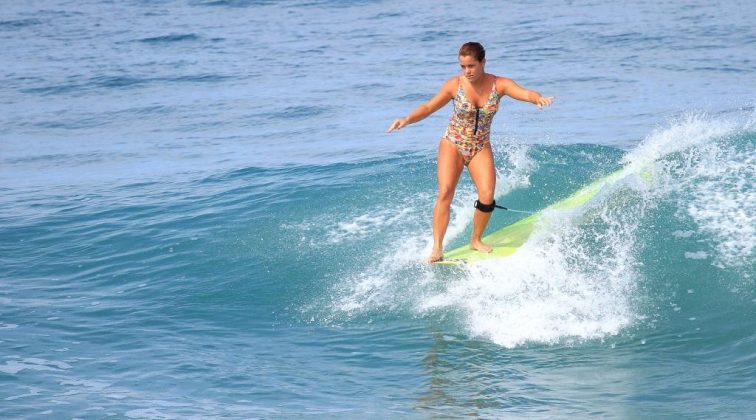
<point>170,38</point>
<point>581,275</point>
<point>76,88</point>
<point>708,165</point>
<point>18,23</point>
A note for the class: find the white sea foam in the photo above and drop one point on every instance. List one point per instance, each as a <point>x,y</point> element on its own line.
<point>366,224</point>
<point>710,166</point>
<point>698,255</point>
<point>683,233</point>
<point>386,284</point>
<point>392,280</point>
<point>690,131</point>
<point>567,282</point>
<point>722,201</point>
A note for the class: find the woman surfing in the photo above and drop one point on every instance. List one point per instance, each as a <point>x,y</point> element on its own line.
<point>466,142</point>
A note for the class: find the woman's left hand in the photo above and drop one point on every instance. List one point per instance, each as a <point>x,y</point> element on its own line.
<point>544,101</point>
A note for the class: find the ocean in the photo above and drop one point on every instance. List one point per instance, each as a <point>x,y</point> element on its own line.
<point>202,215</point>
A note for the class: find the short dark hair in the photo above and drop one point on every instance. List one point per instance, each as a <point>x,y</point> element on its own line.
<point>473,49</point>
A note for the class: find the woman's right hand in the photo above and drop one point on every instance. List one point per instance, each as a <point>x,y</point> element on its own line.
<point>398,123</point>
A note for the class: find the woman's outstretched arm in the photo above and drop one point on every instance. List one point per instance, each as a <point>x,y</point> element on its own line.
<point>510,88</point>
<point>444,95</point>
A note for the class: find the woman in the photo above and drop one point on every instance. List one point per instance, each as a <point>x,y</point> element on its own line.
<point>466,141</point>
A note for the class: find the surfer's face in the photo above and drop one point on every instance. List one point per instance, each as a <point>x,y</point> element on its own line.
<point>472,69</point>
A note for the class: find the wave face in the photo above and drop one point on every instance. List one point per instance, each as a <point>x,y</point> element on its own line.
<point>687,203</point>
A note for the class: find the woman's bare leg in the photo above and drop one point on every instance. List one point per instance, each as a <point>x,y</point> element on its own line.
<point>483,174</point>
<point>450,165</point>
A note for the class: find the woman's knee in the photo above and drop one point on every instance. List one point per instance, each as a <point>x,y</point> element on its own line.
<point>445,195</point>
<point>486,195</point>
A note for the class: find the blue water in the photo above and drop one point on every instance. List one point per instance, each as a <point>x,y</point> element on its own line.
<point>201,214</point>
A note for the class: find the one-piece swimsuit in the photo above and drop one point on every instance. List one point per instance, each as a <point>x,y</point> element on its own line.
<point>469,126</point>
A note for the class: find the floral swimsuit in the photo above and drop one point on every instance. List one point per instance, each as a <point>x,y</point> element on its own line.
<point>470,127</point>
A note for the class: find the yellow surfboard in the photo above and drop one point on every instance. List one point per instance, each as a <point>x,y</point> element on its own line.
<point>508,239</point>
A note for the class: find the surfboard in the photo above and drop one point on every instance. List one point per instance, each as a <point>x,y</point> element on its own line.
<point>507,240</point>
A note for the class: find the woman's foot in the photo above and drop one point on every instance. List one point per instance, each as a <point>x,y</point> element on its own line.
<point>480,246</point>
<point>435,256</point>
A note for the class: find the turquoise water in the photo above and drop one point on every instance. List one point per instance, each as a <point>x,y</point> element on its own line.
<point>201,214</point>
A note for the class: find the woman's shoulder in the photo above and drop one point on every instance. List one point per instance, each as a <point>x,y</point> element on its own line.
<point>451,85</point>
<point>452,82</point>
<point>502,83</point>
<point>501,80</point>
